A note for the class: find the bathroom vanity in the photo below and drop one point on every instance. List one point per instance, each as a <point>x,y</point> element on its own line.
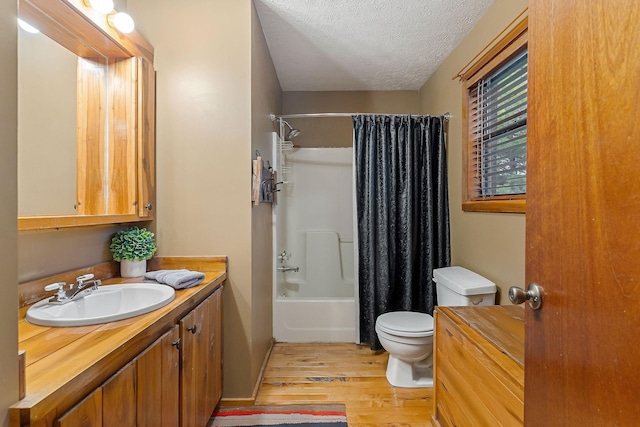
<point>159,368</point>
<point>479,366</point>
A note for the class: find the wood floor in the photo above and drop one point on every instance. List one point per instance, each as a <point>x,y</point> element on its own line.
<point>342,373</point>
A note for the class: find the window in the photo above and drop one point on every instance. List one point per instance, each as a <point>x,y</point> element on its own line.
<point>495,99</point>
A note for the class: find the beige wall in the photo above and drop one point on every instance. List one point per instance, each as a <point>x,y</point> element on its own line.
<point>266,98</point>
<point>44,253</point>
<point>8,210</point>
<point>337,132</point>
<point>490,244</point>
<point>204,114</point>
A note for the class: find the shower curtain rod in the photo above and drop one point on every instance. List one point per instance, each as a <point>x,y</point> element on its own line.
<point>446,116</point>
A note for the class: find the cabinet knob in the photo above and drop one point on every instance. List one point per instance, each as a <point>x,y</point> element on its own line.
<point>149,206</point>
<point>193,329</point>
<point>177,344</point>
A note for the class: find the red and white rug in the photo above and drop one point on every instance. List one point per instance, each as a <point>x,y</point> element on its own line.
<point>280,415</point>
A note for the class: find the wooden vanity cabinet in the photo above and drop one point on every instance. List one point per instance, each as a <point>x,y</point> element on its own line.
<point>479,366</point>
<point>175,381</point>
<point>143,393</point>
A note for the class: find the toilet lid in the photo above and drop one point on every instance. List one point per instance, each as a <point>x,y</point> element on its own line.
<point>408,323</point>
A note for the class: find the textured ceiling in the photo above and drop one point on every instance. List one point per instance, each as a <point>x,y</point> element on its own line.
<point>325,45</point>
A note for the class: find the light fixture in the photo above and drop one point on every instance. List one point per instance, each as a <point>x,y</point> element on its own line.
<point>27,27</point>
<point>121,22</point>
<point>102,6</point>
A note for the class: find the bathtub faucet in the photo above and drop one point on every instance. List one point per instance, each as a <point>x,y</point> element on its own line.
<point>285,269</point>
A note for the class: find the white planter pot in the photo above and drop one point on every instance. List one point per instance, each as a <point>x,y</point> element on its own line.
<point>133,268</point>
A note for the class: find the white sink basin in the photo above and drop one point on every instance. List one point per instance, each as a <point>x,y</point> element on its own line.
<point>106,304</point>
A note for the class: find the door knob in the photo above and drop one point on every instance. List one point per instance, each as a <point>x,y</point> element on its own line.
<point>533,294</point>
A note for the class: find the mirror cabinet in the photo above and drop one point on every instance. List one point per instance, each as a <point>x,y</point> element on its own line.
<point>104,145</point>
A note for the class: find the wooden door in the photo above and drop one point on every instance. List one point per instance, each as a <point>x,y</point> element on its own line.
<point>158,382</point>
<point>201,370</point>
<point>87,413</point>
<point>583,213</point>
<point>91,119</point>
<point>119,398</point>
<point>122,163</point>
<point>146,134</point>
<point>193,382</point>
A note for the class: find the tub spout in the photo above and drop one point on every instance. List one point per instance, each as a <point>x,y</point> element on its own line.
<point>285,269</point>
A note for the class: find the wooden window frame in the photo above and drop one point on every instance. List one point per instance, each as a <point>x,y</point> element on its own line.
<point>508,47</point>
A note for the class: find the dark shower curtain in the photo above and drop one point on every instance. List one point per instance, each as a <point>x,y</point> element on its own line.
<point>403,214</point>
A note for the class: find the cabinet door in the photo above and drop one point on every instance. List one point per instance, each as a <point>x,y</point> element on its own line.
<point>215,348</point>
<point>158,382</point>
<point>192,378</point>
<point>146,139</point>
<point>90,139</point>
<point>119,398</point>
<point>200,374</point>
<point>121,183</point>
<point>87,413</point>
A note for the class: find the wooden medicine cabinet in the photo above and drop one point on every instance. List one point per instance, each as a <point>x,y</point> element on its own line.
<point>86,140</point>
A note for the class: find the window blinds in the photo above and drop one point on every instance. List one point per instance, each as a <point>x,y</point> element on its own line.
<point>498,130</point>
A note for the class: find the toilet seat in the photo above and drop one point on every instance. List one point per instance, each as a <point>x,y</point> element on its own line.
<point>406,323</point>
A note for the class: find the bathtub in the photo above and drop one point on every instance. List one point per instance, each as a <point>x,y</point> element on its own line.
<point>313,227</point>
<point>314,319</point>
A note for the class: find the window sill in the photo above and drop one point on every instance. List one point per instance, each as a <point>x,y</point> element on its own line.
<point>504,206</point>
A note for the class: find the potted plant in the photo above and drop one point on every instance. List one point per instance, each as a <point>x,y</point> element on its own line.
<point>132,247</point>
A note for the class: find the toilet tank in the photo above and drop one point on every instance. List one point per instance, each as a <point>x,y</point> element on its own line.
<point>457,286</point>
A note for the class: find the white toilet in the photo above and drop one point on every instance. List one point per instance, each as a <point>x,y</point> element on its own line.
<point>408,336</point>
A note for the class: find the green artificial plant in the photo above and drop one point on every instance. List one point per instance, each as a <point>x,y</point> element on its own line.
<point>132,244</point>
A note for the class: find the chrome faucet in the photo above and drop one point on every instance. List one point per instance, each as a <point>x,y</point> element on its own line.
<point>285,269</point>
<point>82,289</point>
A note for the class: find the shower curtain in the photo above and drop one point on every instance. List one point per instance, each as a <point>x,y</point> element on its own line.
<point>403,214</point>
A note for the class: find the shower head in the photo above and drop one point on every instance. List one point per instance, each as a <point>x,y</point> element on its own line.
<point>292,131</point>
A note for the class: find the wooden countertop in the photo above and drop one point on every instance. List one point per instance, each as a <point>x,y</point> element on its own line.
<point>501,325</point>
<point>64,364</point>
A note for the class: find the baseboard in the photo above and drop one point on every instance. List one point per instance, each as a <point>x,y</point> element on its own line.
<point>250,401</point>
<point>237,401</point>
<point>263,368</point>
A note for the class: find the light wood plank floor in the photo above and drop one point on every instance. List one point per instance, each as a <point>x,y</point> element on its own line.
<point>342,373</point>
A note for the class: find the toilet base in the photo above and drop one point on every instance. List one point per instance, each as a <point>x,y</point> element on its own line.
<point>410,375</point>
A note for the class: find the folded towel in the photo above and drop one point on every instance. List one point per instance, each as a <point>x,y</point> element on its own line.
<point>177,279</point>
